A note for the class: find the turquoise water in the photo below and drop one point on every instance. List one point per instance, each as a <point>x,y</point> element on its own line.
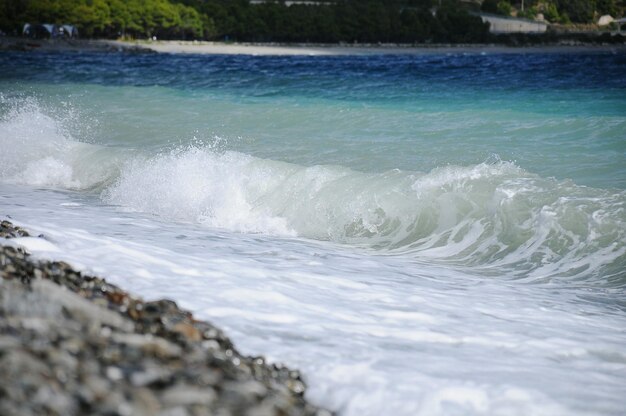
<point>552,114</point>
<point>440,234</point>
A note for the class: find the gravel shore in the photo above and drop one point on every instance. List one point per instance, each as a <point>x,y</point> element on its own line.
<point>73,344</point>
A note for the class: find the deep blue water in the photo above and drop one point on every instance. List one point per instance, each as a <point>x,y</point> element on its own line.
<point>385,78</point>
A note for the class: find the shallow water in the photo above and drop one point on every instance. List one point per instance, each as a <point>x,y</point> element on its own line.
<point>440,234</point>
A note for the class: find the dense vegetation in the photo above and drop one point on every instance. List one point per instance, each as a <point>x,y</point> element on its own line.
<point>557,11</point>
<point>343,21</point>
<point>106,18</point>
<point>404,21</point>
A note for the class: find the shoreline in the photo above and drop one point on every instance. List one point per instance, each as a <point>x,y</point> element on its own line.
<point>71,343</point>
<point>277,49</point>
<point>216,48</point>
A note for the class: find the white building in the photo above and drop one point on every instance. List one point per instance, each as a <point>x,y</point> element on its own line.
<point>501,24</point>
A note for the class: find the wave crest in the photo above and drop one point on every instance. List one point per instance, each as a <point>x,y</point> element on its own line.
<point>493,216</point>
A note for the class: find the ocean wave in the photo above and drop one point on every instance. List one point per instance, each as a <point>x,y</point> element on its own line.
<point>38,149</point>
<point>493,216</point>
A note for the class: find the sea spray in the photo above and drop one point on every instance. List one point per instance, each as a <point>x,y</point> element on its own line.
<point>198,185</point>
<point>39,149</point>
<point>494,216</point>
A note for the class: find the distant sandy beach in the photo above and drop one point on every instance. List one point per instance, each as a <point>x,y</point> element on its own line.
<point>219,48</point>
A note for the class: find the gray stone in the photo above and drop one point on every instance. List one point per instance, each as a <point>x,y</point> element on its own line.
<point>148,344</point>
<point>185,395</point>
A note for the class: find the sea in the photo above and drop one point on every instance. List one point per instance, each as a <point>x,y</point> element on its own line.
<point>418,234</point>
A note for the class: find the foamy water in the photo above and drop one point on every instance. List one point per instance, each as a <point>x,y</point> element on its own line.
<point>415,243</point>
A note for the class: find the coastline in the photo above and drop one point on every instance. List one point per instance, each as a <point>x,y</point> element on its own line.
<point>71,343</point>
<point>275,49</point>
<point>216,48</point>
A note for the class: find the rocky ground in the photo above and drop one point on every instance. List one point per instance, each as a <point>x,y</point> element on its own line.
<point>73,344</point>
<point>10,43</point>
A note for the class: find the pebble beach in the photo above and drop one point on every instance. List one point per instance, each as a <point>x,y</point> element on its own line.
<point>71,343</point>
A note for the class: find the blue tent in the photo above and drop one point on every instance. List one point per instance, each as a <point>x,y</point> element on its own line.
<point>70,31</point>
<point>49,30</point>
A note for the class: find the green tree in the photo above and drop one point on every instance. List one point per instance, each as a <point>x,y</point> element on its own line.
<point>550,13</point>
<point>504,8</point>
<point>11,13</point>
<point>191,24</point>
<point>91,17</point>
<point>579,11</point>
<point>135,24</point>
<point>458,26</point>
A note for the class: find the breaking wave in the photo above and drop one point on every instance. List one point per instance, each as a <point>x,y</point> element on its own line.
<point>493,216</point>
<point>38,149</point>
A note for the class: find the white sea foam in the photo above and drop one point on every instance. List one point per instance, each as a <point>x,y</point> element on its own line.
<point>373,335</point>
<point>493,216</point>
<point>220,190</point>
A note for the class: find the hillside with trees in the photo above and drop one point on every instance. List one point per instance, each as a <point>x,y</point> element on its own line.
<point>370,21</point>
<point>557,11</point>
<point>107,18</point>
